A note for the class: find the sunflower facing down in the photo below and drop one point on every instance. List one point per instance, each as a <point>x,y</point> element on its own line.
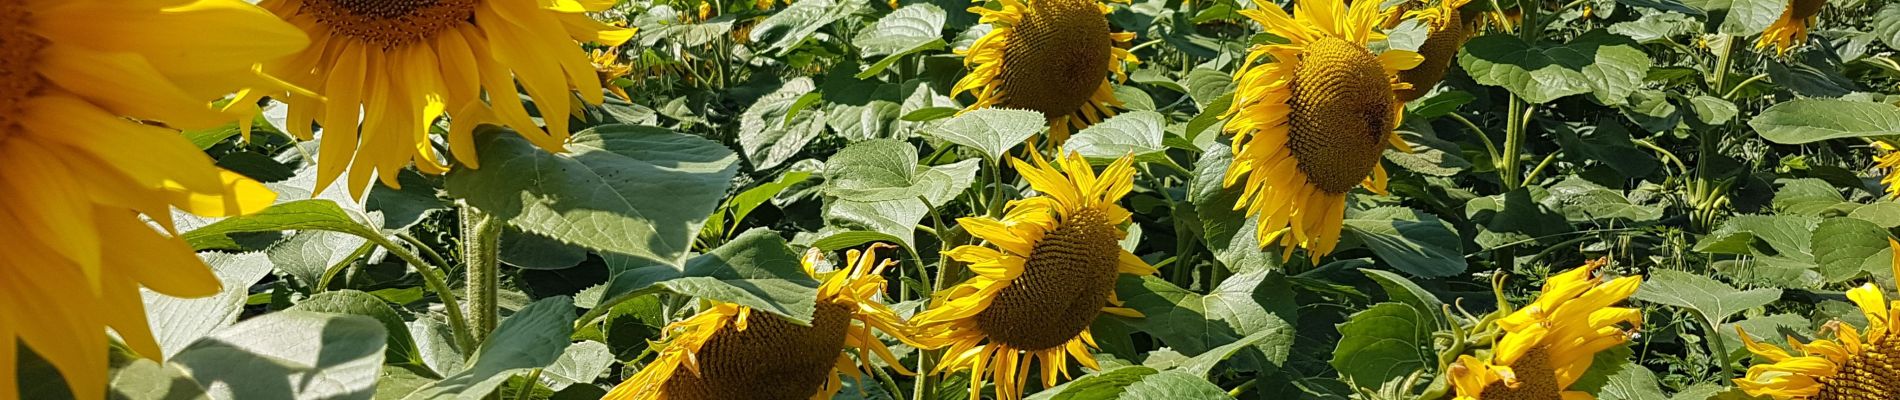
<point>406,63</point>
<point>86,91</point>
<point>727,351</point>
<point>1448,33</point>
<point>1792,28</point>
<point>1311,124</point>
<point>1048,56</point>
<point>1855,365</point>
<point>1549,344</point>
<point>1050,269</point>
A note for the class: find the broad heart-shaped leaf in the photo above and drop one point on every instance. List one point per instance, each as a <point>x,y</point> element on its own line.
<point>400,349</point>
<point>580,363</point>
<point>1610,143</point>
<point>1599,62</point>
<point>1230,234</point>
<point>1784,235</point>
<point>1405,291</point>
<point>1713,301</point>
<point>1138,133</point>
<point>289,355</point>
<point>1887,24</point>
<point>755,270</point>
<point>533,337</point>
<point>1844,247</point>
<point>1811,120</point>
<point>906,28</point>
<point>992,131</point>
<point>784,30</point>
<point>1383,343</point>
<point>898,217</point>
<point>1514,217</point>
<point>875,170</point>
<point>1411,240</point>
<point>318,214</point>
<point>176,322</point>
<point>1251,302</point>
<point>633,190</point>
<point>772,130</point>
<point>1750,17</point>
<point>1582,201</point>
<point>1135,383</point>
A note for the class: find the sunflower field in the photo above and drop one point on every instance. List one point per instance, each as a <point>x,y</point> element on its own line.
<point>950,200</point>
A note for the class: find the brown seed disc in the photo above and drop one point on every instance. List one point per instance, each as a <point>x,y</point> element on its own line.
<point>1057,57</point>
<point>1537,380</point>
<point>1874,374</point>
<point>1341,114</point>
<point>1064,284</point>
<point>1804,9</point>
<point>19,49</point>
<point>773,359</point>
<point>1438,50</point>
<point>391,23</point>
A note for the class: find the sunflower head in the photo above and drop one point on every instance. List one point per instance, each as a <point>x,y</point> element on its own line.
<point>1310,125</point>
<point>1547,345</point>
<point>1049,56</point>
<point>1792,28</point>
<point>1448,32</point>
<point>1049,271</point>
<point>1855,365</point>
<point>728,351</point>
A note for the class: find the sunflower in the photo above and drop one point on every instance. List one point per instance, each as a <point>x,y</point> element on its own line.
<point>1855,365</point>
<point>609,68</point>
<point>1447,34</point>
<point>410,62</point>
<point>730,352</point>
<point>88,93</point>
<point>1310,126</point>
<point>1548,345</point>
<point>1888,159</point>
<point>1792,28</point>
<point>1048,56</point>
<point>1051,269</point>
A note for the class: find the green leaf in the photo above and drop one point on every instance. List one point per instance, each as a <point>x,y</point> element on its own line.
<point>898,216</point>
<point>1278,337</point>
<point>1205,85</point>
<point>309,214</point>
<point>875,170</point>
<point>1228,233</point>
<point>1385,342</point>
<point>139,378</point>
<point>1106,384</point>
<point>771,131</point>
<point>1712,301</point>
<point>1439,104</point>
<point>1886,214</point>
<point>992,131</point>
<point>601,195</point>
<point>581,363</point>
<point>1405,291</point>
<point>784,30</point>
<point>1582,201</point>
<point>1429,155</point>
<point>1844,247</point>
<point>1138,133</point>
<point>1244,304</point>
<point>1171,385</point>
<point>400,347</point>
<point>743,203</point>
<point>177,322</point>
<point>1609,143</point>
<point>1785,235</point>
<point>755,270</point>
<point>1886,25</point>
<point>1810,120</point>
<point>1750,17</point>
<point>307,255</point>
<point>1629,381</point>
<point>1410,240</point>
<point>904,29</point>
<point>1514,217</point>
<point>1768,329</point>
<point>1598,62</point>
<point>289,355</point>
<point>533,337</point>
<point>1714,110</point>
<point>527,250</point>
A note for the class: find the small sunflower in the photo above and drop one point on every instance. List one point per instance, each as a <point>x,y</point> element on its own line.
<point>1549,344</point>
<point>406,63</point>
<point>1051,269</point>
<point>1448,33</point>
<point>1888,159</point>
<point>609,68</point>
<point>1311,125</point>
<point>90,168</point>
<point>1856,365</point>
<point>728,351</point>
<point>1048,56</point>
<point>1792,28</point>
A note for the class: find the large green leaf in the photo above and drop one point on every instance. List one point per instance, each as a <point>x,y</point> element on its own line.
<point>1582,201</point>
<point>785,29</point>
<point>581,363</point>
<point>318,214</point>
<point>1411,240</point>
<point>606,193</point>
<point>992,131</point>
<point>177,322</point>
<point>289,355</point>
<point>1405,291</point>
<point>1385,342</point>
<point>1887,25</point>
<point>773,130</point>
<point>400,347</point>
<point>1712,301</point>
<point>1844,247</point>
<point>908,28</point>
<point>1229,233</point>
<point>1515,217</point>
<point>533,337</point>
<point>1244,304</point>
<point>1811,120</point>
<point>879,187</point>
<point>755,270</point>
<point>1136,133</point>
<point>1599,62</point>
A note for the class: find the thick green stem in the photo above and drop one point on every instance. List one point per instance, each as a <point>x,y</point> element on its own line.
<point>1509,157</point>
<point>481,240</point>
<point>432,277</point>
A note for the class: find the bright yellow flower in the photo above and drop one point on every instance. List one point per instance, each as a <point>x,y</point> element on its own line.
<point>608,66</point>
<point>1311,125</point>
<point>1051,269</point>
<point>407,63</point>
<point>88,90</point>
<point>1448,33</point>
<point>1792,28</point>
<point>1048,56</point>
<point>1855,365</point>
<point>730,352</point>
<point>1550,343</point>
<point>1888,159</point>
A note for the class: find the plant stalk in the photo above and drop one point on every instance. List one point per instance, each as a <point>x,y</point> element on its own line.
<point>481,242</point>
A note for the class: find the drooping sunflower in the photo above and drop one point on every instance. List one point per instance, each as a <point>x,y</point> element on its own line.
<point>87,158</point>
<point>1310,126</point>
<point>1854,365</point>
<point>1549,344</point>
<point>727,351</point>
<point>1792,28</point>
<point>407,63</point>
<point>1448,33</point>
<point>1048,56</point>
<point>1050,269</point>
